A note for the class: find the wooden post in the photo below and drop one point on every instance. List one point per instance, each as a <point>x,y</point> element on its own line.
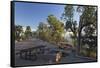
<point>29,54</point>
<point>21,54</point>
<point>26,53</point>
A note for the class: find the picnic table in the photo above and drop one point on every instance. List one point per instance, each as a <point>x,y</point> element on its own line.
<point>31,53</point>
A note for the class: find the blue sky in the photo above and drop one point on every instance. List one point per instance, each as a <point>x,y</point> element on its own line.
<point>31,14</point>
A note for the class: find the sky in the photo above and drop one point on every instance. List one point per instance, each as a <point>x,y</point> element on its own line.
<point>31,14</point>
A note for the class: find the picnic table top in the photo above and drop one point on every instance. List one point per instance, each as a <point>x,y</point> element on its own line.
<point>36,47</point>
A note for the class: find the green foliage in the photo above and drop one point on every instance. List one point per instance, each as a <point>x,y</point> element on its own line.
<point>43,31</point>
<point>88,16</point>
<point>34,34</point>
<point>88,23</point>
<point>18,32</point>
<point>68,13</point>
<point>51,31</point>
<point>56,27</point>
<point>28,32</point>
<point>70,23</point>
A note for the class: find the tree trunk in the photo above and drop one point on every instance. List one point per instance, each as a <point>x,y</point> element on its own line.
<point>79,40</point>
